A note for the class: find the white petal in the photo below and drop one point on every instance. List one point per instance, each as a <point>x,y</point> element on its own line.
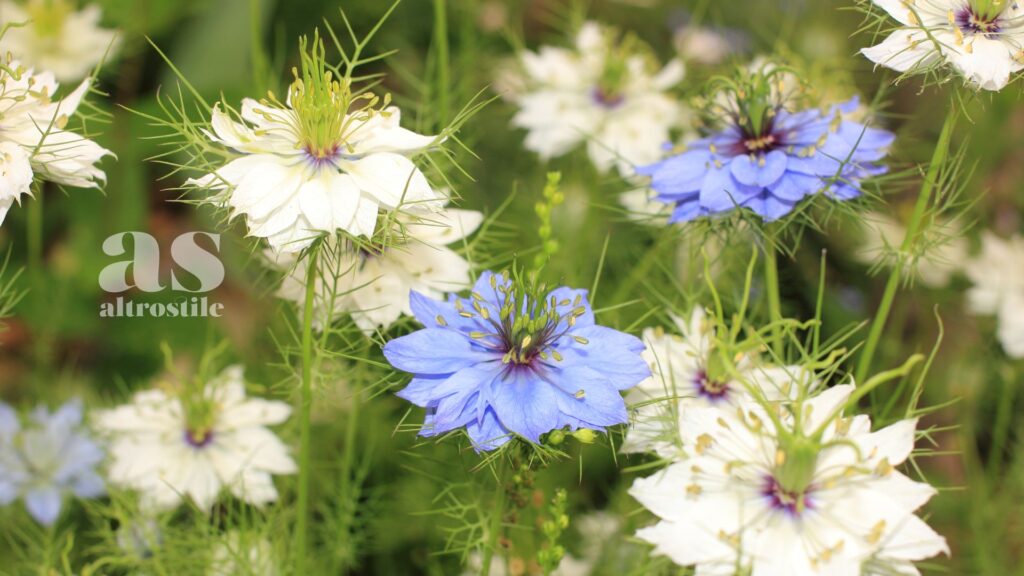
<point>985,62</point>
<point>383,133</point>
<point>904,50</point>
<point>392,179</point>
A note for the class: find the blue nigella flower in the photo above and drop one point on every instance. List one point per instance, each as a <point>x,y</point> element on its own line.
<point>771,168</point>
<point>48,458</point>
<point>504,362</point>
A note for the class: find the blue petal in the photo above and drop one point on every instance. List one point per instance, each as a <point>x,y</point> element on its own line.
<point>770,207</point>
<point>612,353</point>
<point>453,412</point>
<point>761,171</point>
<point>88,485</point>
<point>686,210</point>
<point>821,163</point>
<point>419,390</point>
<point>467,380</point>
<point>525,404</point>
<point>679,174</point>
<point>427,310</point>
<point>844,191</point>
<point>434,351</point>
<point>599,404</point>
<point>489,293</point>
<point>487,433</point>
<point>8,491</point>
<point>565,302</point>
<point>43,504</point>
<point>793,187</point>
<point>721,193</point>
<point>9,423</point>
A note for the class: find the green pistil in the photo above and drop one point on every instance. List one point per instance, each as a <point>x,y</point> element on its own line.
<point>796,462</point>
<point>612,83</point>
<point>327,111</point>
<point>988,10</point>
<point>48,16</point>
<point>753,99</point>
<point>527,324</point>
<point>200,413</point>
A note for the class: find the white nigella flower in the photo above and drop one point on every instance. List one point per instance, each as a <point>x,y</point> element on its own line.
<point>321,162</point>
<point>683,369</point>
<point>33,140</point>
<point>56,37</point>
<point>981,39</point>
<point>998,277</point>
<point>772,494</point>
<point>605,92</point>
<point>372,282</point>
<point>238,553</point>
<point>883,236</point>
<point>48,458</point>
<point>707,46</point>
<point>194,443</point>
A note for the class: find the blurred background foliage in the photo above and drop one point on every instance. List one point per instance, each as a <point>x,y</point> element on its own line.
<point>57,346</point>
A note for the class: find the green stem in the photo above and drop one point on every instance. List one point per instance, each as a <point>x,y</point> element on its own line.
<point>350,497</point>
<point>302,522</point>
<point>35,234</point>
<point>1004,418</point>
<point>895,275</point>
<point>258,56</point>
<point>771,282</point>
<point>498,511</point>
<point>642,270</point>
<point>443,65</point>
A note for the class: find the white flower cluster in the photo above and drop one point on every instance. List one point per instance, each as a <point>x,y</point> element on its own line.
<point>766,474</point>
<point>604,92</point>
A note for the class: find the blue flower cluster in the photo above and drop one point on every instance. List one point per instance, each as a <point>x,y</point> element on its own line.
<point>771,169</point>
<point>503,363</point>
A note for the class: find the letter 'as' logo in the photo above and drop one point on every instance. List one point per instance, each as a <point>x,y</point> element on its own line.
<point>144,263</point>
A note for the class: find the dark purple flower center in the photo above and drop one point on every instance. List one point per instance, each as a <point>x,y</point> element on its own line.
<point>320,158</point>
<point>607,98</point>
<point>711,389</point>
<point>756,141</point>
<point>792,503</point>
<point>970,22</point>
<point>198,438</point>
<point>525,339</point>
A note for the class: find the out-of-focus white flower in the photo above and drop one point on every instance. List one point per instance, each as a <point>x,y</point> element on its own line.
<point>47,459</point>
<point>372,284</point>
<point>236,554</point>
<point>642,207</point>
<point>883,236</point>
<point>56,37</point>
<point>682,376</point>
<point>998,277</point>
<point>196,442</point>
<point>321,162</point>
<point>33,140</point>
<point>803,492</point>
<point>706,46</point>
<point>606,92</point>
<point>980,40</point>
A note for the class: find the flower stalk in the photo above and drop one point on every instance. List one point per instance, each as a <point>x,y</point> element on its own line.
<point>35,234</point>
<point>913,227</point>
<point>306,404</point>
<point>498,513</point>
